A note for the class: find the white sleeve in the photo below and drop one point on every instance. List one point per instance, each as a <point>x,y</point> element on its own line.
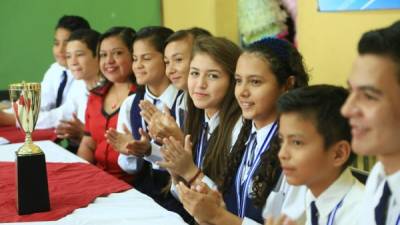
<point>124,115</point>
<point>75,100</point>
<point>155,155</point>
<point>286,199</point>
<point>248,221</point>
<point>174,191</point>
<point>128,163</point>
<point>51,118</point>
<point>48,89</point>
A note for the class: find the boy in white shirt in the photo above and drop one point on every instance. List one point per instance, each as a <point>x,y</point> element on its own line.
<point>57,80</point>
<point>373,109</point>
<point>315,152</point>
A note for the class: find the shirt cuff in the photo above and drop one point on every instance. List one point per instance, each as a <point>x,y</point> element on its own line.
<point>129,163</point>
<point>248,221</point>
<point>210,183</point>
<point>155,155</point>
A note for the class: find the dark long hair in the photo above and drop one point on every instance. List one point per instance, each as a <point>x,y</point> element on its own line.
<point>285,61</point>
<point>226,54</point>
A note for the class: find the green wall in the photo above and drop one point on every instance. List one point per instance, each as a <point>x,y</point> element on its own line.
<point>27,28</point>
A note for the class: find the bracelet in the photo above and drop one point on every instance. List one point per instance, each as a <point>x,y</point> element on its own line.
<point>194,177</point>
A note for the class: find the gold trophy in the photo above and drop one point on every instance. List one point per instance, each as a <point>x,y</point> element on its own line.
<point>32,186</point>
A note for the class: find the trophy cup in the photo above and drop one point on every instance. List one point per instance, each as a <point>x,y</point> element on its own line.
<point>31,177</point>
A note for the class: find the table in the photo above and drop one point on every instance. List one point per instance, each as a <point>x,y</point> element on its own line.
<point>129,207</point>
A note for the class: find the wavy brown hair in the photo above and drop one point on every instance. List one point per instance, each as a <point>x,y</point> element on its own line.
<point>226,54</point>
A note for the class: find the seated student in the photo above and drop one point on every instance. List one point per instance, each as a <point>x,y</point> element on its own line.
<point>265,70</point>
<point>373,109</point>
<point>115,52</point>
<point>177,56</point>
<point>212,102</point>
<point>58,80</point>
<point>315,151</point>
<point>131,138</point>
<point>82,61</point>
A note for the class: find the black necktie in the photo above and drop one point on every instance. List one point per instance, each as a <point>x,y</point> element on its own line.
<point>382,207</point>
<point>155,100</point>
<point>314,213</point>
<point>181,118</point>
<point>204,143</point>
<point>61,88</point>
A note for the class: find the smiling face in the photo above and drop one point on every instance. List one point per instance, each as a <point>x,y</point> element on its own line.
<point>257,89</point>
<point>115,59</point>
<point>81,61</point>
<point>373,107</point>
<point>177,62</point>
<point>60,42</point>
<point>148,63</point>
<point>303,157</point>
<point>207,83</point>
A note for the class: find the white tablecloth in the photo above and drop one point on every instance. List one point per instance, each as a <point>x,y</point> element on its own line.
<point>129,207</point>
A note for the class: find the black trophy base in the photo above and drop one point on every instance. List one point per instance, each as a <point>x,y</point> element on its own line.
<point>32,187</point>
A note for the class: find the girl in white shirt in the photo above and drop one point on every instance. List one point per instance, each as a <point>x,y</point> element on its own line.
<point>264,71</point>
<point>212,102</point>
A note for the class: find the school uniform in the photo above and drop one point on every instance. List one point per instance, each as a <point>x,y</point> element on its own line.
<point>214,122</point>
<point>237,198</point>
<point>179,109</point>
<point>75,103</point>
<point>379,185</point>
<point>284,199</point>
<point>338,204</point>
<point>150,178</point>
<point>128,109</point>
<point>57,81</point>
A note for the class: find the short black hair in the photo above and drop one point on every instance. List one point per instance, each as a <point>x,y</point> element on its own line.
<point>72,23</point>
<point>126,34</point>
<point>157,35</point>
<point>384,42</point>
<point>88,36</point>
<point>321,104</point>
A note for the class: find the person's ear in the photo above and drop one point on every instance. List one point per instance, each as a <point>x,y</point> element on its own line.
<point>290,82</point>
<point>341,153</point>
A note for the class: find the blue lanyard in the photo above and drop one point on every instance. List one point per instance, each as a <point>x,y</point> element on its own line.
<point>241,196</point>
<point>331,216</point>
<point>200,149</point>
<point>398,220</point>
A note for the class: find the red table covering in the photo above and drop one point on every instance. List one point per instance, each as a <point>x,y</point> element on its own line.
<point>15,135</point>
<point>71,186</point>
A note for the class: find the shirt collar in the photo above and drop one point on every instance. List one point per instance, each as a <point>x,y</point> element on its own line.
<point>182,99</point>
<point>331,197</point>
<point>261,133</point>
<point>167,97</point>
<point>393,180</point>
<point>212,122</point>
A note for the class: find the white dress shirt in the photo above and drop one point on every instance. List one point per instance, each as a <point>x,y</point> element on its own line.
<point>49,86</point>
<point>284,199</point>
<point>373,193</point>
<point>346,188</point>
<point>297,200</point>
<point>128,163</point>
<point>75,103</point>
